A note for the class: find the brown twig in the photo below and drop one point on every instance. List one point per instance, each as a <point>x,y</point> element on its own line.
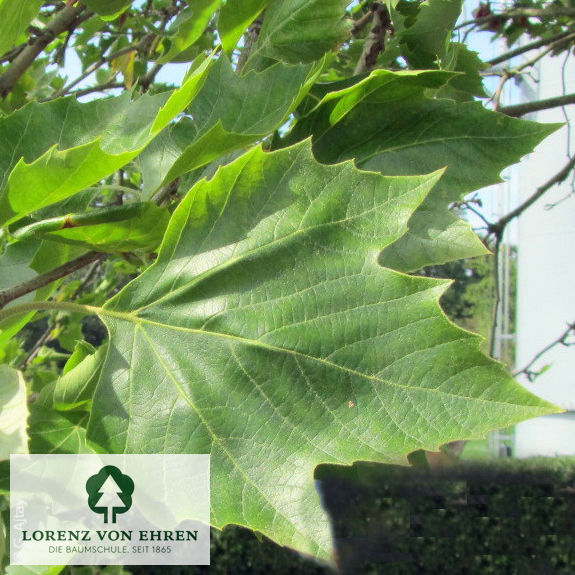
<point>518,110</point>
<point>543,13</point>
<point>497,299</point>
<point>375,42</point>
<point>499,226</point>
<point>15,292</point>
<point>561,340</point>
<point>528,48</point>
<point>250,39</point>
<point>66,20</point>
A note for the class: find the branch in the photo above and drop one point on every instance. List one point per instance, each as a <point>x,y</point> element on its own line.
<point>66,20</point>
<point>100,88</point>
<point>497,299</point>
<point>528,48</point>
<point>561,340</point>
<point>250,39</point>
<point>91,69</point>
<point>543,13</point>
<point>101,216</point>
<point>518,110</point>
<point>498,227</point>
<point>375,42</point>
<point>10,294</point>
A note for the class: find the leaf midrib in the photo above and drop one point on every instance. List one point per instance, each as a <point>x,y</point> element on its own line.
<point>126,316</point>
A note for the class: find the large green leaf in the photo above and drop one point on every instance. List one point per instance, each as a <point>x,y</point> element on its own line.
<point>300,30</point>
<point>13,413</point>
<point>217,126</point>
<point>51,151</point>
<point>388,124</point>
<point>15,17</point>
<point>235,17</point>
<point>268,335</point>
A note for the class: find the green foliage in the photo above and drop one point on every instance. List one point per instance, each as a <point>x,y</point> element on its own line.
<point>216,126</point>
<point>235,17</point>
<point>13,413</point>
<point>389,124</point>
<point>108,9</point>
<point>300,30</point>
<point>275,328</point>
<point>15,16</point>
<point>189,27</point>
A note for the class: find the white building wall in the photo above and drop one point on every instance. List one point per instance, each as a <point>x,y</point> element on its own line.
<point>546,274</point>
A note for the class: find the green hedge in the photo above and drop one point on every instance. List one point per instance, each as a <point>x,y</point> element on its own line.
<point>506,517</point>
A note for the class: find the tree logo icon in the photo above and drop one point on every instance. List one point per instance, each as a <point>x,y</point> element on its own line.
<point>110,492</point>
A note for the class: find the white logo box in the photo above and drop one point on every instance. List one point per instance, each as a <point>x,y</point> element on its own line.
<point>136,509</point>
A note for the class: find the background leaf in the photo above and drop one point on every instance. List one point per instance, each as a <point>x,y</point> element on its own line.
<point>215,126</point>
<point>15,17</point>
<point>13,413</point>
<point>108,9</point>
<point>51,151</point>
<point>387,123</point>
<point>190,26</point>
<point>300,30</point>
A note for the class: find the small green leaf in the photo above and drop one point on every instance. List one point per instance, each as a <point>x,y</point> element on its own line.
<point>425,42</point>
<point>13,413</point>
<point>15,17</point>
<point>190,26</point>
<point>108,9</point>
<point>82,350</point>
<point>75,388</point>
<point>235,17</point>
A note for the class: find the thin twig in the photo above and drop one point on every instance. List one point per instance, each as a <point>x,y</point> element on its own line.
<point>561,340</point>
<point>15,292</point>
<point>543,13</point>
<point>43,339</point>
<point>100,88</point>
<point>497,299</point>
<point>527,48</point>
<point>517,110</point>
<point>66,20</point>
<point>498,227</point>
<point>95,66</point>
<point>250,39</point>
